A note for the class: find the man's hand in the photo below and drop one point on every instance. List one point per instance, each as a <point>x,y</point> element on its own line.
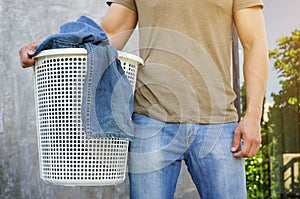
<point>26,53</point>
<point>248,132</point>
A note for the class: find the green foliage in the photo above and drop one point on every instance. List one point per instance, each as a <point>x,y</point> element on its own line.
<point>286,56</point>
<point>256,178</point>
<point>287,65</point>
<point>284,115</point>
<point>280,134</point>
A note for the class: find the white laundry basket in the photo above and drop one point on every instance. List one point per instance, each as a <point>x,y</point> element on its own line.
<point>66,156</point>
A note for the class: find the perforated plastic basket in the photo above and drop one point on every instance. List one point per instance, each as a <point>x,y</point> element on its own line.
<point>66,156</point>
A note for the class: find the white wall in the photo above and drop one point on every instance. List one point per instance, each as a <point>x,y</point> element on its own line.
<point>22,21</point>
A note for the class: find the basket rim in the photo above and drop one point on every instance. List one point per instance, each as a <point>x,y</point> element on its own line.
<point>83,51</point>
<point>61,51</point>
<point>131,56</point>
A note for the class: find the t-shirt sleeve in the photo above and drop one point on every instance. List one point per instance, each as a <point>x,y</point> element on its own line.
<point>240,4</point>
<point>127,3</point>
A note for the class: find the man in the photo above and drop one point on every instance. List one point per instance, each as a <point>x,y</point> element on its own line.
<point>184,100</point>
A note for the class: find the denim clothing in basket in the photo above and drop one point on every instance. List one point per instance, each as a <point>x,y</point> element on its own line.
<point>107,101</point>
<point>74,35</point>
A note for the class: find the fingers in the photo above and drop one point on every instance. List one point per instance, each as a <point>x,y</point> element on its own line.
<point>26,53</point>
<point>236,143</point>
<point>248,150</point>
<point>250,146</point>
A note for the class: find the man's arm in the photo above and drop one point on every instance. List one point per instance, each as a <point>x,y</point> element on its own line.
<point>118,24</point>
<point>251,30</point>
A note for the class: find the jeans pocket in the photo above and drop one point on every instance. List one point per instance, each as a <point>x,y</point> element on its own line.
<point>210,140</point>
<point>217,141</point>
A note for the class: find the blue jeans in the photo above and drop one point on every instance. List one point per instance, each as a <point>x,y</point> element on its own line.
<point>158,148</point>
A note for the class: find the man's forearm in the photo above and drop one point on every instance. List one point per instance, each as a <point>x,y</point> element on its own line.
<point>256,64</point>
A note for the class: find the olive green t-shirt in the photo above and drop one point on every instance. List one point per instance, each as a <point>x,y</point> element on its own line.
<point>186,46</point>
